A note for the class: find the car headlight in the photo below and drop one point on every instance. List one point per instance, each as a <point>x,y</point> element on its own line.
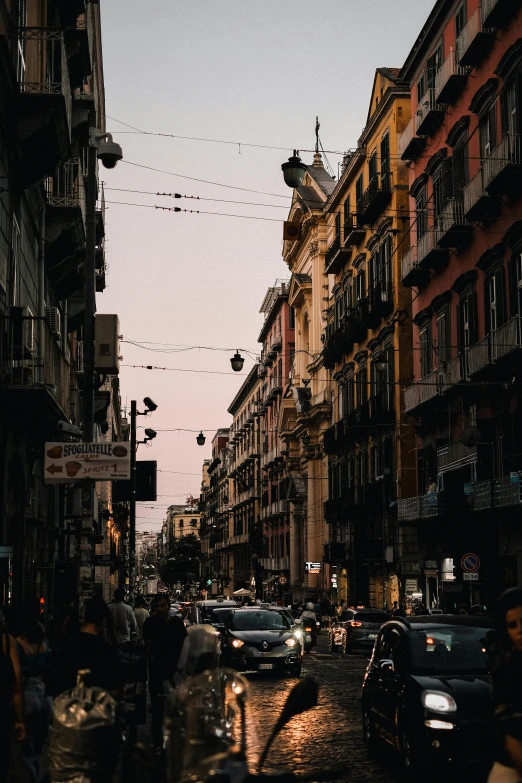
<point>291,642</point>
<point>298,634</point>
<point>438,701</point>
<point>237,643</point>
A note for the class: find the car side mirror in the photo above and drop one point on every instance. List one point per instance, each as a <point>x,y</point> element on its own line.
<point>387,665</point>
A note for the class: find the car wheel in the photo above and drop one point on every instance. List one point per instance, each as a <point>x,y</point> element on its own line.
<point>369,734</point>
<point>347,650</point>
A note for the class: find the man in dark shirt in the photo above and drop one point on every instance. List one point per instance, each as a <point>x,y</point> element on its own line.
<point>163,637</point>
<point>87,650</point>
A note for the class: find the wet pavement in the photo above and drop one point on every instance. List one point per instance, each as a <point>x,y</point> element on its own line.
<point>330,734</point>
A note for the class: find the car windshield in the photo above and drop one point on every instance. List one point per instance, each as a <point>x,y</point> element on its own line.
<point>449,649</point>
<point>372,617</point>
<point>219,615</point>
<point>259,621</point>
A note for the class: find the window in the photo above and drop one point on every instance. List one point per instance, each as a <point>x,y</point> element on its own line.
<point>181,523</point>
<point>385,255</point>
<point>518,283</point>
<point>347,219</point>
<point>467,321</point>
<point>373,270</point>
<point>494,304</point>
<point>375,458</point>
<point>362,386</point>
<point>460,167</point>
<point>291,318</point>
<point>433,65</point>
<point>487,132</point>
<point>359,188</point>
<point>442,186</point>
<point>422,213</point>
<point>361,467</point>
<point>193,523</point>
<point>337,225</point>
<point>509,108</point>
<point>460,19</point>
<point>349,397</point>
<point>421,88</point>
<point>443,337</point>
<point>359,286</point>
<point>385,161</point>
<point>425,350</point>
<point>372,167</point>
<point>21,22</point>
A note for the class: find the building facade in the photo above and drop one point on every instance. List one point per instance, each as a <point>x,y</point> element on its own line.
<point>464,267</point>
<point>367,347</point>
<point>216,514</point>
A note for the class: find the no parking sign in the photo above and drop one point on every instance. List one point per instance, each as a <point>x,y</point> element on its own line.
<point>470,562</point>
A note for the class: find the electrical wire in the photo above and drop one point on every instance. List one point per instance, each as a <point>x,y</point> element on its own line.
<point>183,369</point>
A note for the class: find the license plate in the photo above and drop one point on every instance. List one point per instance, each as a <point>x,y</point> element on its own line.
<point>266,665</point>
<point>372,636</point>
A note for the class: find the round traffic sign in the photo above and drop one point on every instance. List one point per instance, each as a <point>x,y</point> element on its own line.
<point>470,562</point>
<point>282,580</point>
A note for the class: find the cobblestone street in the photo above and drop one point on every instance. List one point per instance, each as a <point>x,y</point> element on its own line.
<point>329,734</point>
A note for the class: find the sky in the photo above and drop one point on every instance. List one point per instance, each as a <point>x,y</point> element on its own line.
<point>250,73</point>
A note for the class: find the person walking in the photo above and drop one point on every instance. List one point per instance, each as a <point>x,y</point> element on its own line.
<point>506,654</point>
<point>163,637</point>
<point>11,698</point>
<point>87,650</point>
<point>141,613</point>
<point>122,616</point>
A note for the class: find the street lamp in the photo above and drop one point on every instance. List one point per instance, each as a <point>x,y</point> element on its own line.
<point>306,439</point>
<point>200,440</point>
<point>380,361</point>
<point>293,171</point>
<point>237,362</point>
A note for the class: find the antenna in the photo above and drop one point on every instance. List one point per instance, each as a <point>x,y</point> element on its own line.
<point>317,126</point>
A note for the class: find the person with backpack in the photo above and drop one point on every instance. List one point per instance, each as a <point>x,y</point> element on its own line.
<point>11,698</point>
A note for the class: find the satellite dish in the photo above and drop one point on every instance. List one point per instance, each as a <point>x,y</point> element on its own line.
<point>471,436</point>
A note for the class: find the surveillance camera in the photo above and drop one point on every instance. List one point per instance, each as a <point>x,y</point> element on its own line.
<point>151,434</point>
<point>67,427</point>
<point>109,152</point>
<point>149,404</point>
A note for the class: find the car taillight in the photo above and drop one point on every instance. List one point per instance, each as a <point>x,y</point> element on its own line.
<point>308,629</point>
<point>355,624</point>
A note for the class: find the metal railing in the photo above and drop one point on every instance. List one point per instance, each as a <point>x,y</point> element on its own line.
<point>426,244</point>
<point>406,137</point>
<point>454,455</point>
<point>66,187</point>
<point>409,261</point>
<point>423,390</point>
<point>380,183</point>
<point>506,338</point>
<point>42,64</point>
<point>450,67</point>
<point>473,191</point>
<point>507,492</point>
<point>426,104</point>
<point>506,153</point>
<point>451,372</point>
<point>469,33</point>
<point>421,507</point>
<point>276,341</point>
<point>476,357</point>
<point>452,214</point>
<point>482,495</point>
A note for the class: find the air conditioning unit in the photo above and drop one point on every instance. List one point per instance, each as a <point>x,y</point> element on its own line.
<point>22,332</point>
<point>54,320</point>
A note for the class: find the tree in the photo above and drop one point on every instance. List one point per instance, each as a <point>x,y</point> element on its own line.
<point>183,561</point>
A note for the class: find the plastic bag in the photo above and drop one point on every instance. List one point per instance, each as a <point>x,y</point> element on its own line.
<point>84,737</point>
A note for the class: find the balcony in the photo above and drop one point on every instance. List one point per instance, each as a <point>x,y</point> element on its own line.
<point>476,357</point>
<point>482,495</point>
<point>411,275</point>
<point>502,492</point>
<point>474,42</point>
<point>498,13</point>
<point>430,114</point>
<point>422,391</point>
<point>65,213</point>
<point>78,46</point>
<point>275,563</point>
<point>374,199</point>
<point>451,373</point>
<point>454,456</point>
<point>503,168</point>
<point>277,342</point>
<point>354,233</point>
<point>275,386</point>
<point>478,204</point>
<point>336,256</point>
<point>506,338</point>
<point>452,228</point>
<point>450,80</point>
<point>411,146</point>
<point>44,103</point>
<point>429,254</point>
<point>421,507</point>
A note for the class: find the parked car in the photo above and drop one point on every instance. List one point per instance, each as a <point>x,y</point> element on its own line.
<point>356,628</point>
<point>257,639</point>
<point>427,691</point>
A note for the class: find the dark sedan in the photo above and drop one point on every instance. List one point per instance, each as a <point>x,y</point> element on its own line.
<point>356,628</point>
<point>262,640</point>
<point>428,693</point>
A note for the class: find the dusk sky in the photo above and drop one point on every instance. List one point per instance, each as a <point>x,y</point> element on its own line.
<point>230,70</point>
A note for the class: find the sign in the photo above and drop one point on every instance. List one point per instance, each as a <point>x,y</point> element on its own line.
<point>282,580</point>
<point>468,490</point>
<point>471,577</point>
<point>470,562</point>
<point>411,586</point>
<point>431,564</point>
<point>313,568</point>
<point>6,551</point>
<point>68,462</point>
<point>514,477</point>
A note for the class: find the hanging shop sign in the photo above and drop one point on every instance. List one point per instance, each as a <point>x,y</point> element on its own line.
<point>313,568</point>
<point>69,462</point>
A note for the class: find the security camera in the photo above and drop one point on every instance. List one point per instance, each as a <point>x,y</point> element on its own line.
<point>149,404</point>
<point>67,427</point>
<point>109,152</point>
<point>151,434</point>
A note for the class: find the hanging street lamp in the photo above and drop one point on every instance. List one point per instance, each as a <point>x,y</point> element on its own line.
<point>200,440</point>
<point>293,171</point>
<point>237,362</point>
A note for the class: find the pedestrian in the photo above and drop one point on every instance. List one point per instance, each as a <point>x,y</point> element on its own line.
<point>123,617</point>
<point>141,613</point>
<point>11,698</point>
<point>338,609</point>
<point>308,616</point>
<point>163,637</point>
<point>33,651</point>
<point>432,486</point>
<point>87,650</point>
<point>506,653</point>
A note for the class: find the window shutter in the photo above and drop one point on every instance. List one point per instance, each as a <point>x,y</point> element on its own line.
<point>487,304</point>
<point>460,329</point>
<point>501,295</point>
<point>512,277</point>
<point>447,181</point>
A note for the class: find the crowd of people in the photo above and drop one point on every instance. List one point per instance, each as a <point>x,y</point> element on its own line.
<point>37,664</point>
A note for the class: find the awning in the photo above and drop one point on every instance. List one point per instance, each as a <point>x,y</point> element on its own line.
<point>270,579</point>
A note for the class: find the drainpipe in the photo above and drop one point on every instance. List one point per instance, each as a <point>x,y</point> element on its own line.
<point>41,297</point>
